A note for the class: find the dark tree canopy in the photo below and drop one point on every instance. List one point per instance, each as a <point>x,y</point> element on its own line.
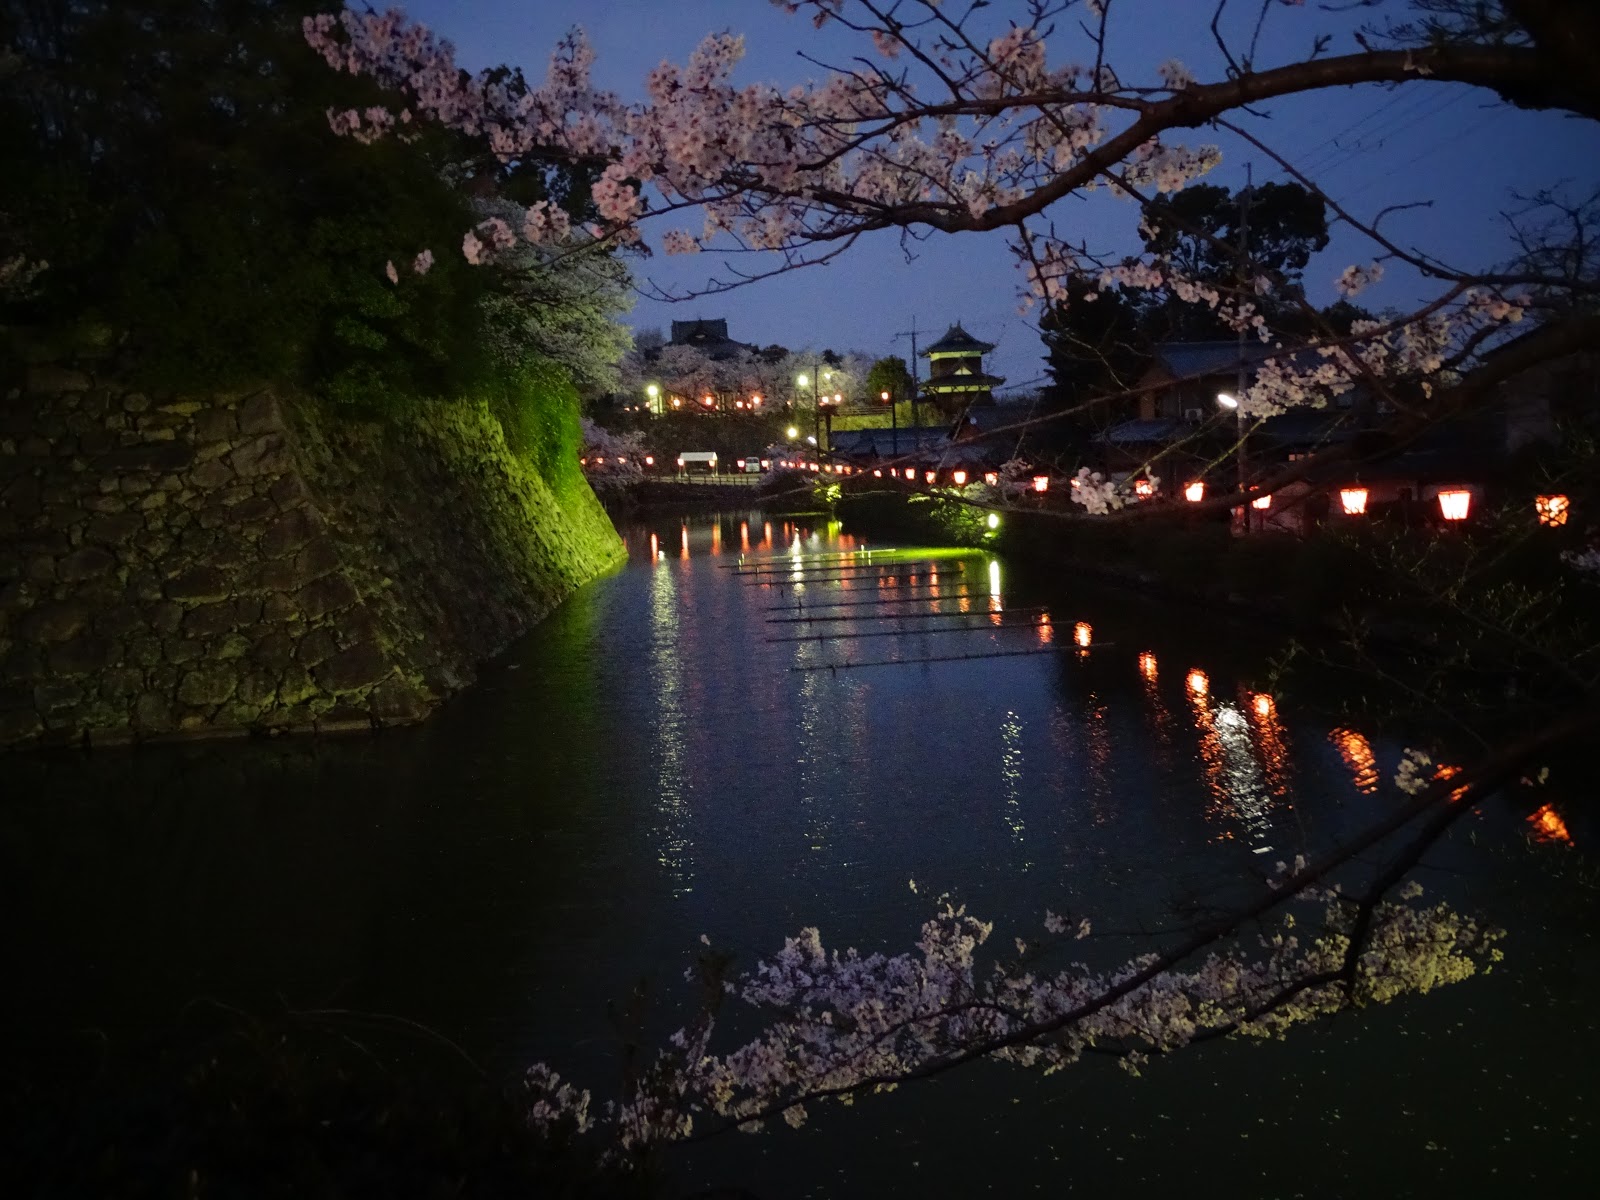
<point>171,161</point>
<point>1213,236</point>
<point>890,375</point>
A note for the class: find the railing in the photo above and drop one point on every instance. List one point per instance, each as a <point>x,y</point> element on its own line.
<point>737,480</point>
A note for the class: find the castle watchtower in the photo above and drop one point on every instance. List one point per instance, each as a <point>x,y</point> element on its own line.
<point>956,377</point>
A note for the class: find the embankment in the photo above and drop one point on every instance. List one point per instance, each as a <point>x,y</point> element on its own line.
<point>178,566</point>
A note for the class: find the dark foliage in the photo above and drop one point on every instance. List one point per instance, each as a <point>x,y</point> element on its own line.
<point>171,161</point>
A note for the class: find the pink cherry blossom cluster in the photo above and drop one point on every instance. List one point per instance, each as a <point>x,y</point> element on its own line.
<point>842,1022</point>
<point>801,169</point>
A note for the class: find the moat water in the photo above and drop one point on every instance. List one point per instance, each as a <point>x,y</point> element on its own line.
<point>674,754</point>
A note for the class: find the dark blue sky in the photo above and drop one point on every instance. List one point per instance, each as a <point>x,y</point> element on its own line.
<point>1368,146</point>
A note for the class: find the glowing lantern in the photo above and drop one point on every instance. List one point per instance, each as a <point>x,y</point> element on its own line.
<point>877,473</point>
<point>1354,500</point>
<point>884,396</point>
<point>766,464</point>
<point>1143,488</point>
<point>583,462</point>
<point>1194,492</point>
<point>838,398</point>
<point>991,477</point>
<point>994,521</point>
<point>1552,510</point>
<point>1262,502</point>
<point>1041,483</point>
<point>706,400</point>
<point>911,472</point>
<point>931,476</point>
<point>600,462</point>
<point>959,478</point>
<point>677,402</point>
<point>754,400</point>
<point>741,464</point>
<point>649,460</point>
<point>1453,505</point>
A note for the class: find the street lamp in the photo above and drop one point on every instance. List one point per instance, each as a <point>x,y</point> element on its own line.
<point>1230,401</point>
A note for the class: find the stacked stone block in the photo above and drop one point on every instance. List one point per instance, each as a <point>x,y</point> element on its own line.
<point>174,566</point>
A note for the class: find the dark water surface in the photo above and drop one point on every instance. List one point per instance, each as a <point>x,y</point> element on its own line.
<point>653,764</point>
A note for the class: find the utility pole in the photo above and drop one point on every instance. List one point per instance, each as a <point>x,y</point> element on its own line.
<point>915,385</point>
<point>1246,278</point>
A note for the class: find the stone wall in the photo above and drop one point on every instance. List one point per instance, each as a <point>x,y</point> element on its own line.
<point>182,566</point>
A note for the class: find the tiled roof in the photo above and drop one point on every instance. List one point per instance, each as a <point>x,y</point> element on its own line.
<point>957,340</point>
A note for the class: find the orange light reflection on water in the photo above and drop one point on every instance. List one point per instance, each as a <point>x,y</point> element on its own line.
<point>1548,826</point>
<point>1083,634</point>
<point>1271,744</point>
<point>1147,665</point>
<point>1357,754</point>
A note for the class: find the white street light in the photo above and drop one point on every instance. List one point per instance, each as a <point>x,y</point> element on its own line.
<point>1227,401</point>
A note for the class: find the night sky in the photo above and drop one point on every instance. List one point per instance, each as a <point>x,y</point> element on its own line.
<point>1368,146</point>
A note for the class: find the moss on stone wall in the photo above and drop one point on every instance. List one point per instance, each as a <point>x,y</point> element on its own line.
<point>255,562</point>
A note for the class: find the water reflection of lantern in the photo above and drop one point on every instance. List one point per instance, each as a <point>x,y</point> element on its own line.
<point>1552,510</point>
<point>1147,665</point>
<point>1357,754</point>
<point>1143,488</point>
<point>1548,826</point>
<point>1453,505</point>
<point>1263,704</point>
<point>1198,683</point>
<point>1082,633</point>
<point>959,478</point>
<point>991,477</point>
<point>1353,500</point>
<point>1261,502</point>
<point>1194,492</point>
<point>1041,483</point>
